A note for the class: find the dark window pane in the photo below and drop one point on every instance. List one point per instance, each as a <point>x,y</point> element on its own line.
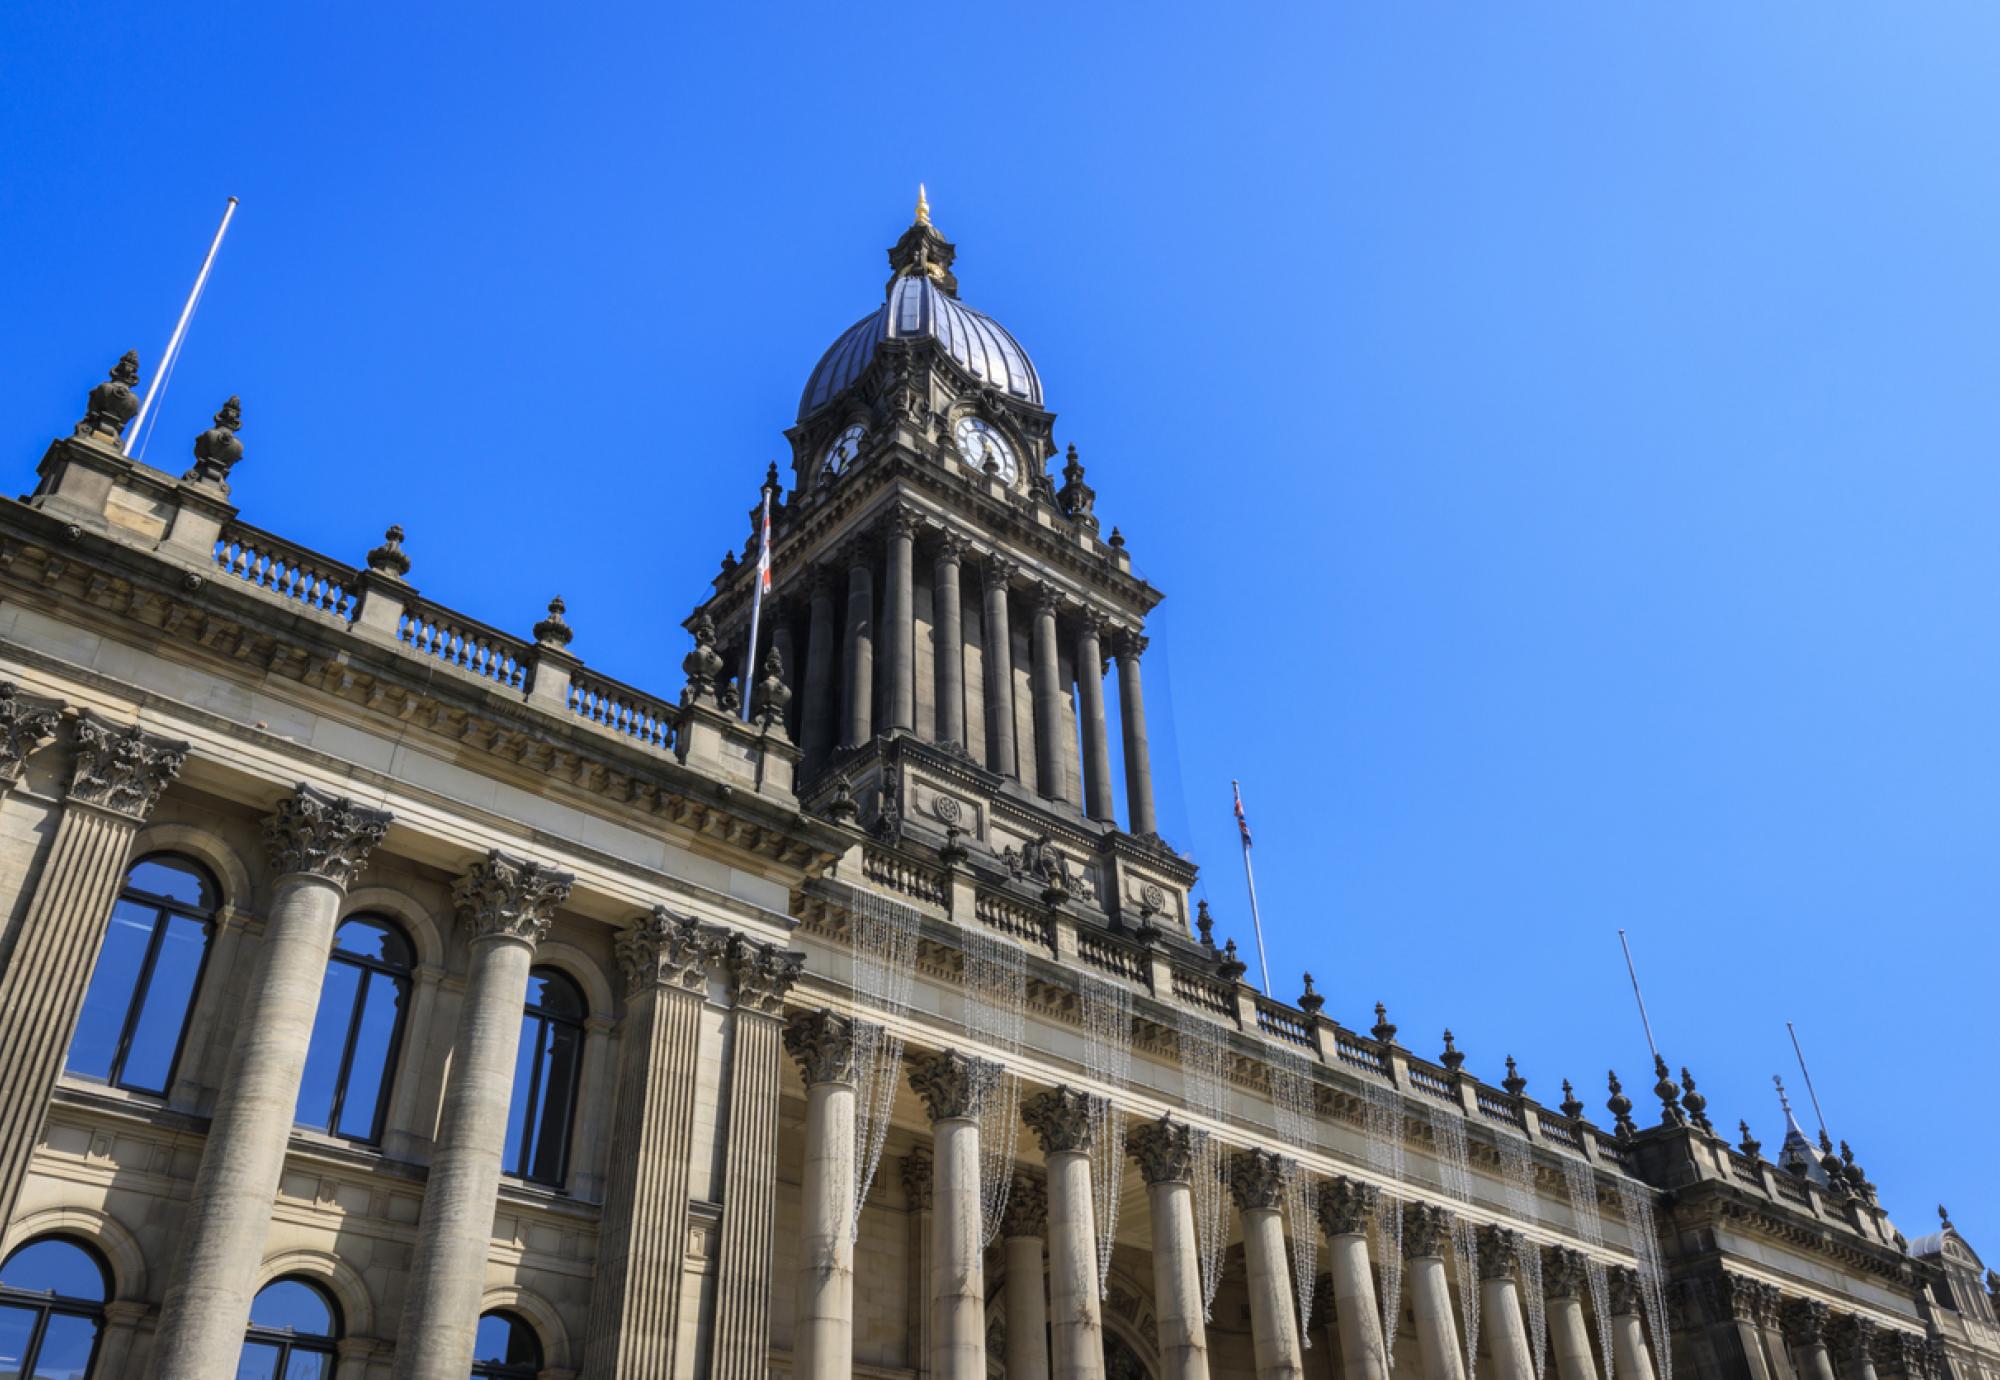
<point>559,1071</point>
<point>66,1347</point>
<point>504,1340</point>
<point>17,1328</point>
<point>554,994</point>
<point>329,1039</point>
<point>156,1036</point>
<point>519,1108</point>
<point>55,1266</point>
<point>376,939</point>
<point>368,1072</point>
<point>292,1305</point>
<point>260,1362</point>
<point>112,984</point>
<point>176,879</point>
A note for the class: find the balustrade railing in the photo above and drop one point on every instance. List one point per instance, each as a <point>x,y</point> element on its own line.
<point>1281,1024</point>
<point>1351,1049</point>
<point>1205,993</point>
<point>1495,1106</point>
<point>1790,1189</point>
<point>1010,917</point>
<point>1110,957</point>
<point>1744,1168</point>
<point>488,653</point>
<point>1433,1081</point>
<point>900,874</point>
<point>623,710</point>
<point>1611,1149</point>
<point>290,572</point>
<point>1561,1132</point>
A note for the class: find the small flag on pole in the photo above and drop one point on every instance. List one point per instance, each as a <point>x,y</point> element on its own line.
<point>764,547</point>
<point>757,593</point>
<point>1250,880</point>
<point>1242,823</point>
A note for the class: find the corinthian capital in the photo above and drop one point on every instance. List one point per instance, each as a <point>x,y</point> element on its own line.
<point>1426,1229</point>
<point>25,724</point>
<point>823,1045</point>
<point>1164,1150</point>
<point>121,769</point>
<point>1347,1206</point>
<point>1027,1211</point>
<point>1061,1118</point>
<point>1257,1179</point>
<point>1806,1322</point>
<point>1624,1282</point>
<point>1498,1247</point>
<point>505,897</point>
<point>322,835</point>
<point>667,950</point>
<point>954,1086</point>
<point>761,973</point>
<point>1562,1273</point>
<point>1129,645</point>
<point>999,573</point>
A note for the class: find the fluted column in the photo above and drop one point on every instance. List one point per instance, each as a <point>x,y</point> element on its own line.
<point>1132,718</point>
<point>1805,1324</point>
<point>1096,739</point>
<point>1346,1207</point>
<point>1164,1151</point>
<point>1770,1305</point>
<point>1500,1305</point>
<point>1257,1180</point>
<point>1629,1358</point>
<point>116,777</point>
<point>1023,1228</point>
<point>899,605</point>
<point>823,1334</point>
<point>635,1302</point>
<point>1061,1121</point>
<point>817,709</point>
<point>954,1088</point>
<point>318,843</point>
<point>1733,1330</point>
<point>947,617</point>
<point>1426,1235</point>
<point>759,977</point>
<point>505,904</point>
<point>1048,698</point>
<point>1563,1285</point>
<point>858,720</point>
<point>998,657</point>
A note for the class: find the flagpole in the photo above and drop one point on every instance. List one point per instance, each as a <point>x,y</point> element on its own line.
<point>763,573</point>
<point>1810,1091</point>
<point>166,366</point>
<point>1250,878</point>
<point>1639,996</point>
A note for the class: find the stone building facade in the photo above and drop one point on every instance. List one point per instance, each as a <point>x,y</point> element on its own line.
<point>388,996</point>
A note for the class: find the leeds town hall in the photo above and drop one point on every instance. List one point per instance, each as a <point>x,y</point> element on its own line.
<point>388,996</point>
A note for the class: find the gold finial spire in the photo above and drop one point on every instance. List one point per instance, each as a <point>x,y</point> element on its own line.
<point>923,206</point>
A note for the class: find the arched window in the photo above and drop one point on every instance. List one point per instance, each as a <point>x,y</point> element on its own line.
<point>51,1309</point>
<point>545,1078</point>
<point>135,1013</point>
<point>358,1030</point>
<point>293,1326</point>
<point>506,1348</point>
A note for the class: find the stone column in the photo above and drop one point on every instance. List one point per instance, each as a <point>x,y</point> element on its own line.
<point>954,1088</point>
<point>823,1335</point>
<point>919,1181</point>
<point>1257,1180</point>
<point>1426,1236</point>
<point>1061,1121</point>
<point>999,661</point>
<point>635,1302</point>
<point>1096,740</point>
<point>1629,1358</point>
<point>1164,1151</point>
<point>1132,718</point>
<point>1858,1349</point>
<point>1563,1285</point>
<point>115,780</point>
<point>858,721</point>
<point>1048,698</point>
<point>1806,1324</point>
<point>759,977</point>
<point>816,725</point>
<point>1023,1227</point>
<point>947,616</point>
<point>505,904</point>
<point>1770,1304</point>
<point>318,843</point>
<point>899,603</point>
<point>1500,1305</point>
<point>1732,1329</point>
<point>1346,1207</point>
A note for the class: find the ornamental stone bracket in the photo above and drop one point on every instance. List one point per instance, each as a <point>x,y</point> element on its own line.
<point>506,897</point>
<point>322,835</point>
<point>122,770</point>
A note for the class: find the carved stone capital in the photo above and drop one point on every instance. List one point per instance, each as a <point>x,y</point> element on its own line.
<point>1624,1283</point>
<point>1164,1150</point>
<point>1027,1211</point>
<point>1347,1206</point>
<point>1129,645</point>
<point>902,524</point>
<point>1498,1247</point>
<point>954,1086</point>
<point>25,724</point>
<point>919,1177</point>
<point>950,549</point>
<point>1426,1231</point>
<point>122,770</point>
<point>322,835</point>
<point>1048,600</point>
<point>1061,1119</point>
<point>1257,1179</point>
<point>667,950</point>
<point>1805,1322</point>
<point>859,557</point>
<point>998,574</point>
<point>760,973</point>
<point>505,897</point>
<point>822,1043</point>
<point>1732,1296</point>
<point>1767,1302</point>
<point>1563,1273</point>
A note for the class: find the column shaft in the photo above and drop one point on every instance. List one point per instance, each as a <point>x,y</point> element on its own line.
<point>1569,1339</point>
<point>1048,697</point>
<point>1818,1363</point>
<point>1437,1332</point>
<point>1631,1360</point>
<point>958,1275</point>
<point>859,719</point>
<point>1177,1281</point>
<point>1355,1311</point>
<point>1096,740</point>
<point>947,617</point>
<point>1077,1343</point>
<point>1027,1310</point>
<point>899,611</point>
<point>823,1348</point>
<point>1274,1322</point>
<point>1506,1336</point>
<point>750,1174</point>
<point>817,707</point>
<point>1138,756</point>
<point>999,662</point>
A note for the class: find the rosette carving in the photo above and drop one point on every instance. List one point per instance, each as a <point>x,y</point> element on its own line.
<point>122,769</point>
<point>323,835</point>
<point>506,897</point>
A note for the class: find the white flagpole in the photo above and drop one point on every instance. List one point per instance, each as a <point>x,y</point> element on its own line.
<point>757,600</point>
<point>1810,1090</point>
<point>1250,879</point>
<point>1633,973</point>
<point>137,443</point>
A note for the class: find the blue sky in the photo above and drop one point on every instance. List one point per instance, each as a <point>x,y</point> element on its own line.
<point>1565,434</point>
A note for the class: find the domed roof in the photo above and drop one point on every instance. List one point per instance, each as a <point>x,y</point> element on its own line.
<point>923,304</point>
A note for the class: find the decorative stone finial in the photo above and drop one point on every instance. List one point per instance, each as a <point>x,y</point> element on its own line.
<point>1382,1029</point>
<point>1749,1145</point>
<point>1620,1107</point>
<point>702,665</point>
<point>771,696</point>
<point>1572,1105</point>
<point>1117,541</point>
<point>1204,924</point>
<point>553,631</point>
<point>1076,499</point>
<point>113,403</point>
<point>389,558</point>
<point>1829,1161</point>
<point>923,206</point>
<point>1669,1094</point>
<point>1310,1001</point>
<point>217,450</point>
<point>1513,1082</point>
<point>1231,967</point>
<point>1944,1218</point>
<point>771,480</point>
<point>840,806</point>
<point>1452,1058</point>
<point>1696,1104</point>
<point>923,253</point>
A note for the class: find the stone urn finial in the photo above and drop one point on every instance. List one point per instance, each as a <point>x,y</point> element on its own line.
<point>1696,1104</point>
<point>1204,924</point>
<point>1513,1082</point>
<point>217,450</point>
<point>771,695</point>
<point>389,558</point>
<point>1572,1105</point>
<point>1749,1145</point>
<point>553,631</point>
<point>113,403</point>
<point>702,665</point>
<point>1669,1094</point>
<point>1620,1107</point>
<point>1310,1001</point>
<point>1453,1057</point>
<point>1382,1029</point>
<point>1231,967</point>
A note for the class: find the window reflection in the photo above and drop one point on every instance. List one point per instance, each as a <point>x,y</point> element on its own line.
<point>135,1012</point>
<point>546,1069</point>
<point>52,1294</point>
<point>357,1031</point>
<point>293,1327</point>
<point>506,1348</point>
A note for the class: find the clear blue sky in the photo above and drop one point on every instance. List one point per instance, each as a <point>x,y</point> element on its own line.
<point>1566,434</point>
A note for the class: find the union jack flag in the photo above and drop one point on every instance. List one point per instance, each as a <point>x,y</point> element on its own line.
<point>764,547</point>
<point>1242,823</point>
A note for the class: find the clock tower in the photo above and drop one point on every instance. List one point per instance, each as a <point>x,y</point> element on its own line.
<point>953,627</point>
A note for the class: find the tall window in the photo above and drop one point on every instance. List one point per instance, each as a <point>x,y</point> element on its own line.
<point>358,1030</point>
<point>506,1349</point>
<point>135,1013</point>
<point>293,1327</point>
<point>545,1078</point>
<point>51,1310</point>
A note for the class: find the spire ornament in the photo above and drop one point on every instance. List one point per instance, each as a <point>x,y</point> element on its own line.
<point>1620,1107</point>
<point>553,631</point>
<point>217,450</point>
<point>1231,967</point>
<point>1572,1105</point>
<point>113,403</point>
<point>1382,1030</point>
<point>1204,924</point>
<point>1453,1058</point>
<point>1310,1001</point>
<point>1669,1094</point>
<point>1513,1082</point>
<point>1076,499</point>
<point>389,558</point>
<point>1696,1104</point>
<point>923,206</point>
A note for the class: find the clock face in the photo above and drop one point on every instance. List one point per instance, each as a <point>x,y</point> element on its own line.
<point>979,441</point>
<point>845,447</point>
